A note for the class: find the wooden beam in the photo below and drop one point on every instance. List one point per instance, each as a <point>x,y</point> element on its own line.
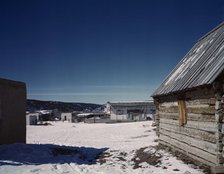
<point>206,126</point>
<point>195,133</point>
<point>200,144</point>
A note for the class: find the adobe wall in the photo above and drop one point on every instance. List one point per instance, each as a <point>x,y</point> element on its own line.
<point>12,112</point>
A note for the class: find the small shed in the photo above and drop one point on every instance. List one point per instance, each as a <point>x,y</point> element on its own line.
<point>12,112</point>
<point>190,103</point>
<point>32,118</point>
<point>66,116</point>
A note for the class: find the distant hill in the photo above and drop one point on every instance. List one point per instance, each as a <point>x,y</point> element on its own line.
<point>33,105</point>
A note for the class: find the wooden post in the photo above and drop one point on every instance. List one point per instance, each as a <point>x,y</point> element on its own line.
<point>219,168</point>
<point>219,134</point>
<point>182,112</point>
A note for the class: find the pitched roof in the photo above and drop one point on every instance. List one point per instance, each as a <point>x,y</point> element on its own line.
<point>200,66</point>
<point>132,103</point>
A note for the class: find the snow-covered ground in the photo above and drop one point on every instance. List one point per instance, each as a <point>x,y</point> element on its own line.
<point>78,148</point>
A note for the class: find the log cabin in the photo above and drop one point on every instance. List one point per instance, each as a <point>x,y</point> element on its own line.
<point>190,103</point>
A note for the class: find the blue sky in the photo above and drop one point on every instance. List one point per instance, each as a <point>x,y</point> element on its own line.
<point>99,51</point>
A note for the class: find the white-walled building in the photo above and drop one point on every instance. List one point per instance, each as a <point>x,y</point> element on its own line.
<point>66,116</point>
<point>130,110</point>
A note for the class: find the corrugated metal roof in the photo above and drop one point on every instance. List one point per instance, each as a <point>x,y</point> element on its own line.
<point>201,65</point>
<point>131,103</point>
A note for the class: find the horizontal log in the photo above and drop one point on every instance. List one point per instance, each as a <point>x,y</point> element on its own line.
<point>206,126</point>
<point>168,104</point>
<point>198,105</point>
<point>202,110</point>
<point>171,109</point>
<point>172,116</point>
<point>190,116</point>
<point>197,159</point>
<point>206,109</point>
<point>200,144</point>
<point>201,117</point>
<point>209,101</point>
<point>199,134</point>
<point>191,101</point>
<point>189,149</point>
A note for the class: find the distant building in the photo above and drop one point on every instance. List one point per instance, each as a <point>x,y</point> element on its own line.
<point>56,115</point>
<point>130,111</point>
<point>12,112</point>
<point>45,115</point>
<point>32,118</point>
<point>94,117</point>
<point>67,116</point>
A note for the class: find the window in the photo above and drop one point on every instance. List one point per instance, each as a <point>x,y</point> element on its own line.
<point>182,113</point>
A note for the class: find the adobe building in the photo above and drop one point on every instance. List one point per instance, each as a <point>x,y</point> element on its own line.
<point>190,103</point>
<point>130,110</point>
<point>12,112</point>
<point>66,116</point>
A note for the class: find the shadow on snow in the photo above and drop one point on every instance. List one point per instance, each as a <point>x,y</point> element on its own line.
<point>36,154</point>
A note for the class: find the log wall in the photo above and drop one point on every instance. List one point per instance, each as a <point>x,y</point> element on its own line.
<point>200,137</point>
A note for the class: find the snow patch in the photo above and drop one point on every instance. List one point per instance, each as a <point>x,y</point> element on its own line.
<point>90,148</point>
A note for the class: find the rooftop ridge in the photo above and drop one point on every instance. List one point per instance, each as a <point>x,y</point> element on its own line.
<point>216,28</point>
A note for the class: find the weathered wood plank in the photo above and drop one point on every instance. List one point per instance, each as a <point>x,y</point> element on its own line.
<point>172,116</point>
<point>203,145</point>
<point>200,160</point>
<point>190,116</point>
<point>198,105</point>
<point>207,126</point>
<point>201,117</point>
<point>191,102</point>
<point>201,110</point>
<point>198,102</point>
<point>189,149</point>
<point>171,109</point>
<point>209,101</point>
<point>199,134</point>
<point>168,104</point>
<point>206,109</point>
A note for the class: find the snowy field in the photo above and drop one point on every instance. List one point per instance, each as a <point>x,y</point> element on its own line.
<point>78,148</point>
